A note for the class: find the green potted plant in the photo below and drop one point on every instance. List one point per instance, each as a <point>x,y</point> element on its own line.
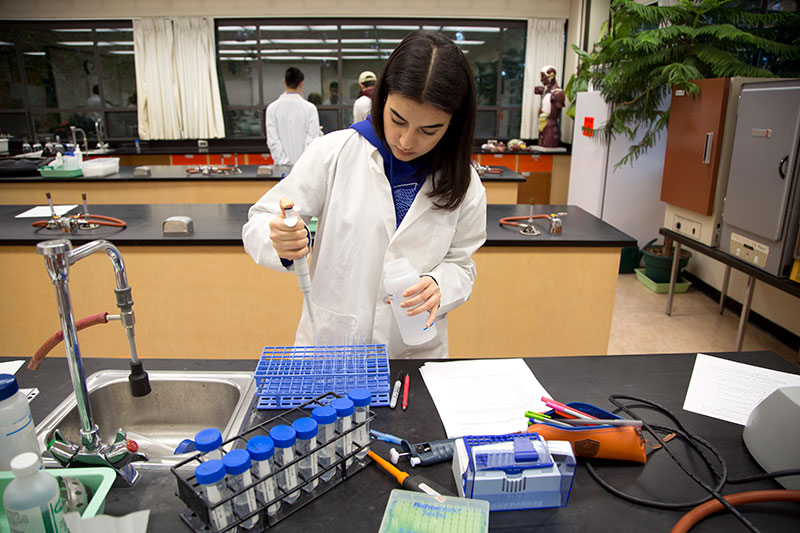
<point>645,50</point>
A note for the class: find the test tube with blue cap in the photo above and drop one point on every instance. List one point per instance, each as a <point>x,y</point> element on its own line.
<point>261,449</point>
<point>284,437</point>
<point>361,399</point>
<point>306,429</point>
<point>210,476</point>
<point>237,466</point>
<point>209,442</point>
<point>344,412</point>
<point>325,416</point>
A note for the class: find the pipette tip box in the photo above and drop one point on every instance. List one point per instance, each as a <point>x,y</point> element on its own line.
<point>288,376</point>
<point>424,513</point>
<point>518,471</point>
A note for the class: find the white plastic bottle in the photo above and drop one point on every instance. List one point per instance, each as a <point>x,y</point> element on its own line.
<point>399,275</point>
<point>17,433</point>
<point>32,500</point>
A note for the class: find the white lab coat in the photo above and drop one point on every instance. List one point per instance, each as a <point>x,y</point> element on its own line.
<point>292,124</point>
<point>361,108</point>
<point>340,179</point>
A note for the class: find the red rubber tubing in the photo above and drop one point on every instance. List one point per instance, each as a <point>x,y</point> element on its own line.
<point>57,337</point>
<point>714,506</point>
<point>509,221</point>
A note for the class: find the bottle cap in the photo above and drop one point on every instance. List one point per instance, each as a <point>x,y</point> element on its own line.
<point>261,448</point>
<point>360,397</point>
<point>283,436</point>
<point>343,406</point>
<point>208,440</point>
<point>324,414</point>
<point>26,464</point>
<point>8,386</point>
<point>209,472</point>
<point>305,427</point>
<point>236,462</point>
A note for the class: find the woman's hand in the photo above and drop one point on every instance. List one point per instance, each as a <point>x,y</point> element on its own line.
<point>426,297</point>
<point>290,243</point>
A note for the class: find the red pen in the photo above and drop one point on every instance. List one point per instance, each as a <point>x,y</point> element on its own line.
<point>406,384</point>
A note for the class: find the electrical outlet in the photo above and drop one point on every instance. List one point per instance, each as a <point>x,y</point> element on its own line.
<point>687,226</point>
<point>202,143</point>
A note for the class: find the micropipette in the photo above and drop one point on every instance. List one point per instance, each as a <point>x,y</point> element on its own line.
<point>290,220</point>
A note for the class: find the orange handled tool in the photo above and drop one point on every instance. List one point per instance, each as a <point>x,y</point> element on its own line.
<point>415,482</point>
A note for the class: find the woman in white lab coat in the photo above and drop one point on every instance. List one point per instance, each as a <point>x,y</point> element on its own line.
<point>398,184</point>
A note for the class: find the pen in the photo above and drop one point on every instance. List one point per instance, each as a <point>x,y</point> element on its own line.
<point>406,385</point>
<point>603,422</point>
<point>545,418</point>
<point>558,406</point>
<point>396,391</point>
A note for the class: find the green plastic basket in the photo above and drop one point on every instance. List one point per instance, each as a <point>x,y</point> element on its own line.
<point>59,172</point>
<point>97,479</point>
<point>661,288</point>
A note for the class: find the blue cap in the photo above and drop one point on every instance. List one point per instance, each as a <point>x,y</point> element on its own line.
<point>324,414</point>
<point>209,472</point>
<point>283,436</point>
<point>261,448</point>
<point>360,397</point>
<point>8,386</point>
<point>208,440</point>
<point>236,462</point>
<point>305,427</point>
<point>343,406</point>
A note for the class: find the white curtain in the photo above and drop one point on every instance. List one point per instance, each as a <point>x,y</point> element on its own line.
<point>176,78</point>
<point>545,46</point>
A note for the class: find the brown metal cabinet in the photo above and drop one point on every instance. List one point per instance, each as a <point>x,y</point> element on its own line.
<point>694,142</point>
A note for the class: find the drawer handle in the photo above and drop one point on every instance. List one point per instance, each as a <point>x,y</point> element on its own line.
<point>707,148</point>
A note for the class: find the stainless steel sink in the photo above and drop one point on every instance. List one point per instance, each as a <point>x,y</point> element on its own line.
<point>181,404</point>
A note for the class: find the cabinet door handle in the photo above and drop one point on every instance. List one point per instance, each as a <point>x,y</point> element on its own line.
<point>707,148</point>
<point>781,172</point>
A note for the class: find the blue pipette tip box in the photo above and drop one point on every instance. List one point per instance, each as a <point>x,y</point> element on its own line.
<point>424,513</point>
<point>289,376</point>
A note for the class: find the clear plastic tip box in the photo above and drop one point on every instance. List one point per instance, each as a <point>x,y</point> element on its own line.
<point>519,471</point>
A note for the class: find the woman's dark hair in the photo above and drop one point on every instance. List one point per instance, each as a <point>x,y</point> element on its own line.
<point>429,68</point>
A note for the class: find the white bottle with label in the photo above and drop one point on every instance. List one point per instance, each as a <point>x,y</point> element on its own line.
<point>17,432</point>
<point>399,276</point>
<point>32,500</point>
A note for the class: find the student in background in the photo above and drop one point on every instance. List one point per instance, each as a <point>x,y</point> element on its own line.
<point>397,185</point>
<point>361,107</point>
<point>292,121</point>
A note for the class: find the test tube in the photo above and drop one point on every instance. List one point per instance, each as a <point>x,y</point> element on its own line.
<point>361,399</point>
<point>209,442</point>
<point>306,429</point>
<point>344,411</point>
<point>210,476</point>
<point>326,423</point>
<point>261,450</point>
<point>237,466</point>
<point>284,438</point>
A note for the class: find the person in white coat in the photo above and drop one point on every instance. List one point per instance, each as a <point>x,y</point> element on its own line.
<point>292,121</point>
<point>398,185</point>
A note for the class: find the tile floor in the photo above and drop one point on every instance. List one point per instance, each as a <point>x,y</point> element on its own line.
<point>639,324</point>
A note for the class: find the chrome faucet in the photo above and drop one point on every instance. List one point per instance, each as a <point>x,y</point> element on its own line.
<point>59,256</point>
<point>100,130</point>
<point>74,130</point>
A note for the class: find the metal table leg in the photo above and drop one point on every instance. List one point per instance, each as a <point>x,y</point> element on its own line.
<point>724,290</point>
<point>673,276</point>
<point>751,285</point>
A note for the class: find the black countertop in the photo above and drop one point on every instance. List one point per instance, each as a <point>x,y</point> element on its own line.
<point>221,224</point>
<point>357,505</point>
<point>190,173</point>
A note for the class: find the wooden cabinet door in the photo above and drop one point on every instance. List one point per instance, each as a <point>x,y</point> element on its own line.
<point>694,142</point>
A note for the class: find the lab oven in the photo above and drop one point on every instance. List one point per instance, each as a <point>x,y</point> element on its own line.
<point>761,211</point>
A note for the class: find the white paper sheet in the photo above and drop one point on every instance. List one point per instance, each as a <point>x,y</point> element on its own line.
<point>135,522</point>
<point>484,396</point>
<point>43,211</point>
<point>11,367</point>
<point>728,390</point>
